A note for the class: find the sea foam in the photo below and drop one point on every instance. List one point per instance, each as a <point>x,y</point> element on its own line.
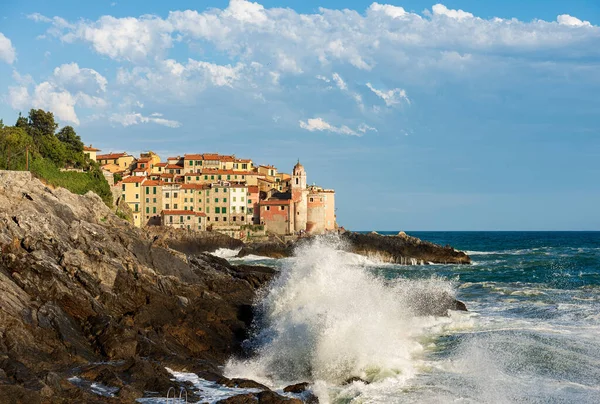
<point>327,318</point>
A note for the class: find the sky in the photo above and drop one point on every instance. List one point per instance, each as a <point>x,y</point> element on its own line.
<point>461,115</point>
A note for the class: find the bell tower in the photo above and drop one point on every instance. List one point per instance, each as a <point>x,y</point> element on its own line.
<point>299,197</point>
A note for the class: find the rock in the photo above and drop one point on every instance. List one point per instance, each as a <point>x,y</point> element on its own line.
<point>241,383</point>
<point>83,293</point>
<point>355,379</point>
<point>240,399</point>
<point>270,397</point>
<point>296,388</point>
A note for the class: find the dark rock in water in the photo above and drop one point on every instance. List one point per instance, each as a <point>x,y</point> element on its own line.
<point>355,379</point>
<point>240,399</point>
<point>269,397</point>
<point>83,293</point>
<point>459,306</point>
<point>400,249</point>
<point>241,383</point>
<point>403,249</point>
<point>296,388</point>
<point>432,303</point>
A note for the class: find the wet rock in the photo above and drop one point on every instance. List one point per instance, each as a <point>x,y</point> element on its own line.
<point>240,399</point>
<point>296,388</point>
<point>355,379</point>
<point>270,397</point>
<point>241,383</point>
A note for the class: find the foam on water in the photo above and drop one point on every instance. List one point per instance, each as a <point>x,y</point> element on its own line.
<point>226,253</point>
<point>327,318</point>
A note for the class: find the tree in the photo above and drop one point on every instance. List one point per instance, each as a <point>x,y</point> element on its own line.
<point>22,122</point>
<point>53,149</point>
<point>73,146</point>
<point>13,145</point>
<point>41,123</point>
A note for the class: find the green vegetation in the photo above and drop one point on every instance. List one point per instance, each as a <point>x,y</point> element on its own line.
<point>34,140</point>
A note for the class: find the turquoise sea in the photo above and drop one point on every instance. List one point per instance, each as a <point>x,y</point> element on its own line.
<point>532,333</point>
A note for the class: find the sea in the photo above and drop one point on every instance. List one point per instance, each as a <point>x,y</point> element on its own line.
<point>531,335</point>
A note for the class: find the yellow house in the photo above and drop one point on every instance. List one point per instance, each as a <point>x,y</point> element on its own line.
<point>90,152</point>
<point>123,160</point>
<point>131,191</point>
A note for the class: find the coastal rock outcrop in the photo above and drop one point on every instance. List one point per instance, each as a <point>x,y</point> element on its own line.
<point>399,249</point>
<point>86,297</point>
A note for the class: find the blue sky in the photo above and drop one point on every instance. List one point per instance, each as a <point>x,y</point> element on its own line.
<point>465,115</point>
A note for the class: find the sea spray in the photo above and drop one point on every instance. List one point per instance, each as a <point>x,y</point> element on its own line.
<point>327,318</point>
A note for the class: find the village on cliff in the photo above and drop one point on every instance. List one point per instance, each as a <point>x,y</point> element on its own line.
<point>217,192</point>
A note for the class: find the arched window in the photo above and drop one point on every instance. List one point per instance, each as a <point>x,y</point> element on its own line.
<point>296,181</point>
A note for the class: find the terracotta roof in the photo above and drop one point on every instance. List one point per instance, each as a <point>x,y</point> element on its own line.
<point>160,165</point>
<point>151,183</point>
<point>167,175</point>
<point>276,202</point>
<point>266,166</point>
<point>140,170</point>
<point>193,157</point>
<point>111,156</point>
<point>243,160</point>
<point>253,189</point>
<point>266,180</point>
<point>90,148</point>
<point>144,160</point>
<point>174,166</point>
<point>133,179</point>
<point>183,213</point>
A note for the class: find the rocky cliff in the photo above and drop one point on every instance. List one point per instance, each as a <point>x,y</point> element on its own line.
<point>84,294</point>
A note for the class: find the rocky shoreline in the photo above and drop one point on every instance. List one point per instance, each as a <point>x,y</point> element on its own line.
<point>400,249</point>
<point>85,298</point>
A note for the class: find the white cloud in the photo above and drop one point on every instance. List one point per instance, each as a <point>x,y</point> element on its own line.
<point>389,10</point>
<point>71,76</point>
<point>566,19</point>
<point>364,128</point>
<point>135,118</point>
<point>390,97</point>
<point>440,9</point>
<point>318,124</point>
<point>8,53</point>
<point>340,82</point>
<point>68,87</point>
<point>246,11</point>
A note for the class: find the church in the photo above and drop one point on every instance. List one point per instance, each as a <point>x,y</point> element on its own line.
<point>300,209</point>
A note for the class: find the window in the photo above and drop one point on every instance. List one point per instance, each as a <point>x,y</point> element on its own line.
<point>154,209</point>
<point>224,210</point>
<point>199,200</point>
<point>188,226</point>
<point>219,177</point>
<point>197,178</point>
<point>242,218</point>
<point>137,184</point>
<point>311,199</point>
<point>199,209</point>
<point>282,208</point>
<point>166,194</point>
<point>212,177</point>
<point>228,176</point>
<point>249,201</point>
<point>180,219</point>
<point>154,200</point>
<point>207,209</point>
<point>191,163</point>
<point>242,208</point>
<point>234,218</point>
<point>185,200</point>
<point>208,219</point>
<point>185,208</point>
<point>216,189</point>
<point>242,199</point>
<point>216,200</point>
<point>170,219</point>
<point>147,209</point>
<point>167,206</point>
<point>217,210</point>
<point>147,200</point>
<point>224,199</point>
<point>206,177</point>
<point>234,199</point>
<point>189,178</point>
<point>244,166</point>
<point>216,219</point>
<point>123,187</point>
<point>199,220</point>
<point>174,194</point>
<point>188,218</point>
<point>267,208</point>
<point>296,181</point>
<point>137,207</point>
<point>175,206</point>
<point>137,196</point>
